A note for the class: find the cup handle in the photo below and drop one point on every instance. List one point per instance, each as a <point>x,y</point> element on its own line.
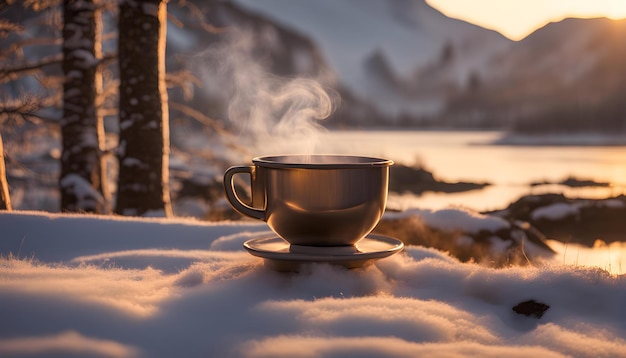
<point>231,195</point>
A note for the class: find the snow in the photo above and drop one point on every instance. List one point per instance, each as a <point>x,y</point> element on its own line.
<point>77,39</point>
<point>554,211</point>
<point>87,58</point>
<point>73,74</point>
<point>86,195</point>
<point>455,219</point>
<point>107,286</point>
<point>127,123</point>
<point>133,162</point>
<point>611,203</point>
<point>559,211</point>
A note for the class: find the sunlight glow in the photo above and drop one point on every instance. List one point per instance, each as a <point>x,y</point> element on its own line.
<point>609,257</point>
<point>134,292</point>
<point>70,342</point>
<point>517,19</point>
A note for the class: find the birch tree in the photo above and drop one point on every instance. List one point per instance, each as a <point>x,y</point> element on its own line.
<point>82,179</point>
<point>5,199</point>
<point>143,151</point>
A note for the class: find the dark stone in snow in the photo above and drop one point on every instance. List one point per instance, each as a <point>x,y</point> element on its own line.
<point>418,180</point>
<point>531,308</point>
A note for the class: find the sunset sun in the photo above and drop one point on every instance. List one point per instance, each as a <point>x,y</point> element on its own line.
<point>517,19</point>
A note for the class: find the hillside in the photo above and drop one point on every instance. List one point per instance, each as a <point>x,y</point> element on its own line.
<point>389,63</point>
<point>415,66</point>
<point>566,76</point>
<point>403,56</point>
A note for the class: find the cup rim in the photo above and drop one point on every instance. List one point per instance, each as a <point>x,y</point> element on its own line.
<point>320,161</point>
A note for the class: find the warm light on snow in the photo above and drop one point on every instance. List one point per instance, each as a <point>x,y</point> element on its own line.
<point>610,257</point>
<point>128,287</point>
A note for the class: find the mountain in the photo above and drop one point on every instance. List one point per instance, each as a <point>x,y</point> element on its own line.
<point>392,62</point>
<point>567,76</point>
<point>415,66</point>
<point>402,56</point>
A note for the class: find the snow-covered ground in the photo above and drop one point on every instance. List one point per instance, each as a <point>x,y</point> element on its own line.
<point>91,286</point>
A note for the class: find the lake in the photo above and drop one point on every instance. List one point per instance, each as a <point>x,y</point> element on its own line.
<point>469,156</point>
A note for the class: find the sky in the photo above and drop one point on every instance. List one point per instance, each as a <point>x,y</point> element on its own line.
<point>516,19</point>
<point>98,286</point>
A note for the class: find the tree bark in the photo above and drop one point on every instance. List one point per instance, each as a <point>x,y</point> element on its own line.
<point>143,151</point>
<point>5,199</point>
<point>82,180</point>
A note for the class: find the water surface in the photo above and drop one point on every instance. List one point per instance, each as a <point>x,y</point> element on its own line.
<point>469,156</point>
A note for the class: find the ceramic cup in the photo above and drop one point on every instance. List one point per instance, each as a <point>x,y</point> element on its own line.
<point>314,200</point>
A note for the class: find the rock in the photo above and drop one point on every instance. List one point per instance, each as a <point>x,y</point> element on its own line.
<point>574,183</point>
<point>586,220</point>
<point>513,242</point>
<point>403,178</point>
<point>531,308</point>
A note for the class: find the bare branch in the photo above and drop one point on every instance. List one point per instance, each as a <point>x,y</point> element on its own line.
<point>26,108</point>
<point>198,116</point>
<point>183,79</point>
<point>209,122</point>
<point>8,74</point>
<point>108,112</point>
<point>175,20</point>
<point>109,36</point>
<point>20,44</point>
<point>7,27</point>
<point>199,15</point>
<point>40,5</point>
<point>49,81</point>
<point>107,59</point>
<point>109,92</point>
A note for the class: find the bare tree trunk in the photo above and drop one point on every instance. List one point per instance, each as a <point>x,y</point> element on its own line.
<point>5,199</point>
<point>82,180</point>
<point>143,152</point>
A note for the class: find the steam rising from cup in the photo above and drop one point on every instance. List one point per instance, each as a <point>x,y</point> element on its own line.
<point>271,114</point>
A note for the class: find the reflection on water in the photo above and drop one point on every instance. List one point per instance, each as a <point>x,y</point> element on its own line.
<point>468,156</point>
<point>611,257</point>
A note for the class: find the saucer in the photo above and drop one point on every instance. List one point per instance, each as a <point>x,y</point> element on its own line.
<point>282,256</point>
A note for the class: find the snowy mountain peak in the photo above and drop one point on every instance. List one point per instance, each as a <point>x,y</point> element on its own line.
<point>407,34</point>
